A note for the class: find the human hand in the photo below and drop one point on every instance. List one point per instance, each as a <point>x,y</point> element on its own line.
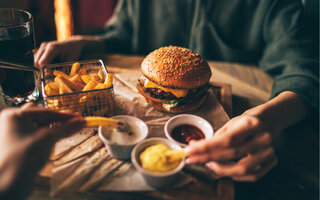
<point>67,50</point>
<point>248,139</point>
<point>26,140</point>
<point>245,138</point>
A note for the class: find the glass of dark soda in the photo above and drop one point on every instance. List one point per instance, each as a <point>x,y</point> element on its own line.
<point>16,45</point>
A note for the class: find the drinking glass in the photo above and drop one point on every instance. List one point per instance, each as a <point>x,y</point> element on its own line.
<point>16,45</point>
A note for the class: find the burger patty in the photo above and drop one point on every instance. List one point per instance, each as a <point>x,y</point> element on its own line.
<point>158,93</point>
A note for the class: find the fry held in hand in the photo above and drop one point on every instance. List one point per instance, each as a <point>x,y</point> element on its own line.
<point>102,121</point>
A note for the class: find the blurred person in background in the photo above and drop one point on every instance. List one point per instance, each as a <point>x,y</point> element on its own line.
<point>272,34</point>
<point>26,140</point>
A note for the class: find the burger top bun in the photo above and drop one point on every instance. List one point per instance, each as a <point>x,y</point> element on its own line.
<point>176,67</point>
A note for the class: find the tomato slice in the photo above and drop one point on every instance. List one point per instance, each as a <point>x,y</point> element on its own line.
<point>147,96</point>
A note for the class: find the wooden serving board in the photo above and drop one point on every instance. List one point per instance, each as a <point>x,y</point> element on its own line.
<point>201,188</point>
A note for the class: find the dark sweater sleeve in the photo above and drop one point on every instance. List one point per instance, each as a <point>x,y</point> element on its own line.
<point>291,54</point>
<point>118,31</point>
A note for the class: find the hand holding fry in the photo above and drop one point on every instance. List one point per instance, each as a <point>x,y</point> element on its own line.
<point>26,140</point>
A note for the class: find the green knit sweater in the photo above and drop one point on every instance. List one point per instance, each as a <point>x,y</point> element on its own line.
<point>268,33</point>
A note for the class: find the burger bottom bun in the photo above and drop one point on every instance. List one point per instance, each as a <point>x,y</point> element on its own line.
<point>188,106</point>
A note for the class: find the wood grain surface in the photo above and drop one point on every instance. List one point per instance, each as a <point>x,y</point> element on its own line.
<point>203,186</point>
<point>243,81</point>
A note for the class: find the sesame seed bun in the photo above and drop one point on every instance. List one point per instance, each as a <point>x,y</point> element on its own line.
<point>176,67</point>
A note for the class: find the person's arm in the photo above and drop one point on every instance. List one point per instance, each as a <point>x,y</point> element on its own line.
<point>249,138</point>
<point>118,33</point>
<point>243,148</point>
<point>116,39</point>
<point>291,53</point>
<point>26,140</point>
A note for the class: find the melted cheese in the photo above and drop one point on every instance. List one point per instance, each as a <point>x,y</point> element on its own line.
<point>176,92</point>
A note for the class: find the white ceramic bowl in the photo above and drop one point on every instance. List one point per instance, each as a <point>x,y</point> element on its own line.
<point>188,119</point>
<point>156,179</point>
<point>123,151</point>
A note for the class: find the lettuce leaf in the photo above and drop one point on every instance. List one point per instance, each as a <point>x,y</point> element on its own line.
<point>170,104</point>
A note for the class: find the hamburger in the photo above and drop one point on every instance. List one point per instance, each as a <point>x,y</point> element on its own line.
<point>174,79</point>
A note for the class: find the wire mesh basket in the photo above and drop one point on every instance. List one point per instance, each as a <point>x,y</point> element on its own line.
<point>96,102</point>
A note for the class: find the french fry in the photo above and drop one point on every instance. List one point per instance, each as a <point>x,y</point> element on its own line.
<point>101,75</point>
<point>53,85</point>
<point>56,73</point>
<point>101,121</point>
<point>76,80</point>
<point>75,68</point>
<point>49,91</point>
<point>75,87</point>
<point>108,80</point>
<point>175,155</point>
<point>100,86</point>
<point>96,78</point>
<point>86,78</point>
<point>90,86</point>
<point>54,104</point>
<point>82,71</point>
<point>63,87</point>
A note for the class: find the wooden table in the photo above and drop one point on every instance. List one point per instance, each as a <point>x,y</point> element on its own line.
<point>250,87</point>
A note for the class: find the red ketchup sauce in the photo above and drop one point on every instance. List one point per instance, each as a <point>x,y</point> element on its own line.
<point>185,133</point>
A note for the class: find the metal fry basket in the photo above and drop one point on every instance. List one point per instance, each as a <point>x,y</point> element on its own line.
<point>98,102</point>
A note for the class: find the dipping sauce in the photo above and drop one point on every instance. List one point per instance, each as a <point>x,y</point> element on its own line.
<point>154,159</point>
<point>185,133</point>
<point>128,137</point>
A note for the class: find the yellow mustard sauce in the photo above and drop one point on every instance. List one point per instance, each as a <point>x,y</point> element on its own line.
<point>156,158</point>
